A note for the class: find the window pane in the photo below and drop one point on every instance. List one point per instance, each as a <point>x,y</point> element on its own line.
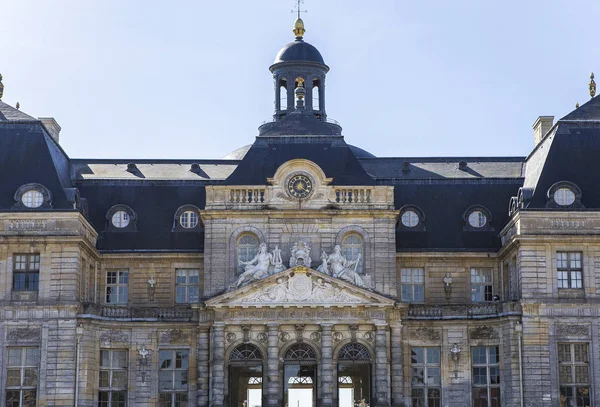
<point>29,398</point>
<point>181,380</point>
<point>14,356</point>
<point>165,380</point>
<point>181,359</point>
<point>104,378</point>
<point>13,378</point>
<point>166,357</point>
<point>433,356</point>
<point>418,376</point>
<point>193,294</point>
<point>30,378</point>
<point>417,355</point>
<point>164,400</point>
<point>119,379</point>
<point>581,352</point>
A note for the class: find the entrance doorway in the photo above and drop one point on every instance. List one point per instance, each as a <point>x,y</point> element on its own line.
<point>245,377</point>
<point>354,376</point>
<point>300,376</point>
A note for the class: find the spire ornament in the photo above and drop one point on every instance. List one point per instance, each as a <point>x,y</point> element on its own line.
<point>299,24</point>
<point>592,86</point>
<point>1,87</point>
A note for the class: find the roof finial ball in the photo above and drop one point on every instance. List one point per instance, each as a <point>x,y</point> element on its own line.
<point>592,86</point>
<point>1,87</point>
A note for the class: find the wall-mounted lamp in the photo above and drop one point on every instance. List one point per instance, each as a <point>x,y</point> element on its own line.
<point>455,352</point>
<point>448,285</point>
<point>144,361</point>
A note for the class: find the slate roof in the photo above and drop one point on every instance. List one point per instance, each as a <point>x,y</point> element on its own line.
<point>588,111</point>
<point>9,113</point>
<point>299,50</point>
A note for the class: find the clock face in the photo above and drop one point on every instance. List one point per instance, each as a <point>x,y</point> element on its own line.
<point>299,186</point>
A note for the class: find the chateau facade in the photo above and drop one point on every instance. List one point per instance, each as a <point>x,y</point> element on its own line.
<point>300,270</point>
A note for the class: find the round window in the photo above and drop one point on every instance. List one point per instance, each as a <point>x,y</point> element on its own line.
<point>189,219</point>
<point>564,196</point>
<point>477,219</point>
<point>32,199</point>
<point>410,218</point>
<point>120,219</point>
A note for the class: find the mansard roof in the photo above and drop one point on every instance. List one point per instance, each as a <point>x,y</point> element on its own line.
<point>10,114</point>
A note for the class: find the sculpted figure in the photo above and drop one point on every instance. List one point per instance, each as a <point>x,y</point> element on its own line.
<point>257,268</point>
<point>322,291</point>
<point>323,267</point>
<point>341,267</point>
<point>300,255</point>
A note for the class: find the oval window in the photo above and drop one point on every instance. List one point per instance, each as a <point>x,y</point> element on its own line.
<point>189,219</point>
<point>410,218</point>
<point>477,219</point>
<point>564,196</point>
<point>32,199</point>
<point>120,219</point>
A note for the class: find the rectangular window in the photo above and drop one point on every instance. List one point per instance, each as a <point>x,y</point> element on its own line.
<point>426,387</point>
<point>485,361</point>
<point>574,374</point>
<point>113,378</point>
<point>117,283</point>
<point>26,274</point>
<point>22,377</point>
<point>187,286</point>
<point>173,378</point>
<point>481,285</point>
<point>413,285</point>
<point>569,270</point>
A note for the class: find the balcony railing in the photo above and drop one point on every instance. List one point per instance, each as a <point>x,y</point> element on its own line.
<point>467,311</point>
<point>353,195</point>
<point>141,313</point>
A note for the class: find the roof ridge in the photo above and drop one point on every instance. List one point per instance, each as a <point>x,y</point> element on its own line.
<point>11,114</point>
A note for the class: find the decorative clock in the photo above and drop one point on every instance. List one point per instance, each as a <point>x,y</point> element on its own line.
<point>299,186</point>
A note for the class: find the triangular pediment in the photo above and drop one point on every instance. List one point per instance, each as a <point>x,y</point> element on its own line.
<point>299,287</point>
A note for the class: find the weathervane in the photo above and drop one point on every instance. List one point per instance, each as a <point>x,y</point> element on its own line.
<point>298,7</point>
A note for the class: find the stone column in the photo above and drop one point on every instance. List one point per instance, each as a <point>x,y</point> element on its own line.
<point>217,379</point>
<point>381,367</point>
<point>202,365</point>
<point>396,364</point>
<point>327,365</point>
<point>273,386</point>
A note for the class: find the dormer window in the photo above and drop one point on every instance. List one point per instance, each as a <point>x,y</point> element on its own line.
<point>477,219</point>
<point>564,196</point>
<point>32,198</point>
<point>411,218</point>
<point>120,219</point>
<point>189,219</point>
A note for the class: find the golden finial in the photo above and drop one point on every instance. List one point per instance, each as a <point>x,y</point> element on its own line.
<point>299,24</point>
<point>299,28</point>
<point>18,105</point>
<point>1,87</point>
<point>576,105</point>
<point>592,86</point>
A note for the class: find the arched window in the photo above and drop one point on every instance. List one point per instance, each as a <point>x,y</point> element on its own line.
<point>316,94</point>
<point>246,353</point>
<point>283,94</point>
<point>354,351</point>
<point>352,247</point>
<point>301,351</point>
<point>247,247</point>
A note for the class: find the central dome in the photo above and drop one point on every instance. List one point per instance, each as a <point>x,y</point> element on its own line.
<point>299,51</point>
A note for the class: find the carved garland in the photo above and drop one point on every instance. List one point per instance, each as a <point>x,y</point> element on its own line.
<point>23,334</point>
<point>572,330</point>
<point>426,334</point>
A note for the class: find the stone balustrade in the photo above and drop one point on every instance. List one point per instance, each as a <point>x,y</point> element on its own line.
<point>133,313</point>
<point>466,311</point>
<point>353,195</point>
<point>248,195</point>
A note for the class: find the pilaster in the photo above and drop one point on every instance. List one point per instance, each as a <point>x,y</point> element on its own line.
<point>396,364</point>
<point>381,367</point>
<point>327,365</point>
<point>203,357</point>
<point>217,379</point>
<point>273,390</point>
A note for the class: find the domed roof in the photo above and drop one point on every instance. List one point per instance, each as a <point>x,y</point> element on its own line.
<point>299,51</point>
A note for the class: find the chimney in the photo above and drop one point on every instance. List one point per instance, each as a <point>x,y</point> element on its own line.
<point>51,126</point>
<point>541,126</point>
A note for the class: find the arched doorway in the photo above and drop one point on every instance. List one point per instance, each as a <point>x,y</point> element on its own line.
<point>354,376</point>
<point>300,376</point>
<point>246,376</point>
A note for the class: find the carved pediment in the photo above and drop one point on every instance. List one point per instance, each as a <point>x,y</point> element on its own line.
<point>299,286</point>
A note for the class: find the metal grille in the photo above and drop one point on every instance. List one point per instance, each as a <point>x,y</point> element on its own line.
<point>301,351</point>
<point>246,353</point>
<point>354,351</point>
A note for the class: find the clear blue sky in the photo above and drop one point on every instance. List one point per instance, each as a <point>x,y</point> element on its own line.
<point>190,79</point>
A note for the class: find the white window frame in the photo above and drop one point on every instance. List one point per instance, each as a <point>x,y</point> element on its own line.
<point>185,286</point>
<point>111,369</point>
<point>484,278</point>
<point>561,194</point>
<point>427,366</point>
<point>172,372</point>
<point>476,218</point>
<point>489,369</point>
<point>32,199</point>
<point>569,270</point>
<point>29,265</point>
<point>413,278</point>
<point>189,219</point>
<point>573,366</point>
<point>22,368</point>
<point>410,218</point>
<point>120,219</point>
<point>350,250</point>
<point>120,288</point>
